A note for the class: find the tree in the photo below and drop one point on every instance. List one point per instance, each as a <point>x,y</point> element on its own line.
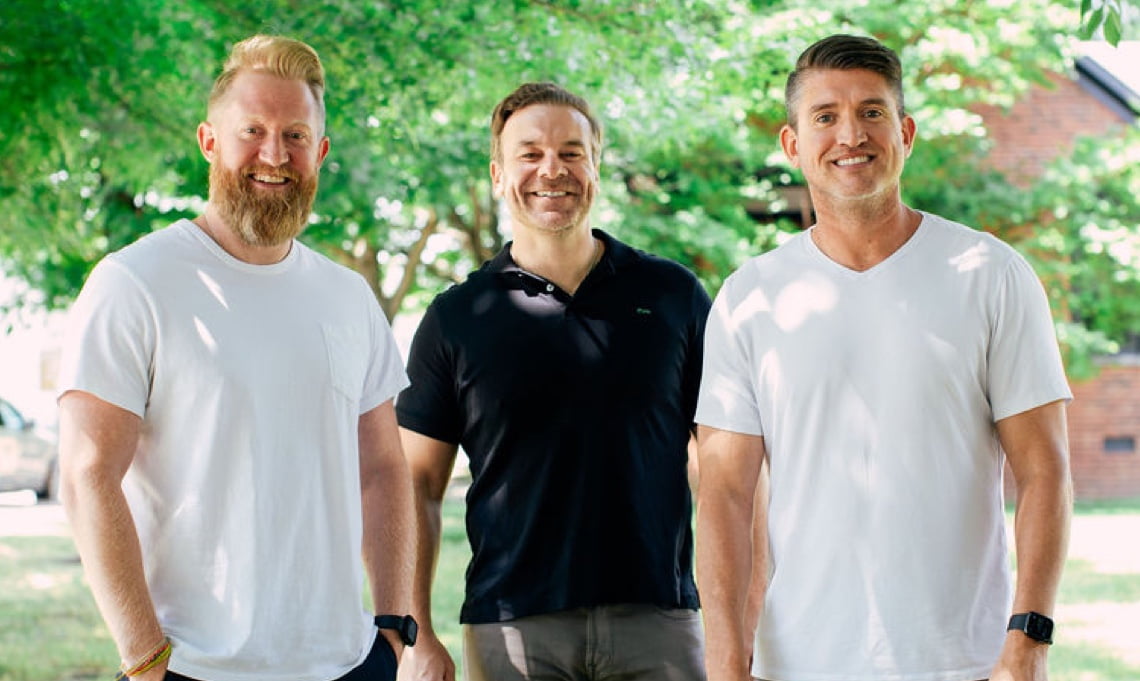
<point>690,92</point>
<point>1111,19</point>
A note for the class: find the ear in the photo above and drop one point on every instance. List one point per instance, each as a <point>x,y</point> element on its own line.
<point>909,132</point>
<point>496,180</point>
<point>322,151</point>
<point>790,144</point>
<point>207,140</point>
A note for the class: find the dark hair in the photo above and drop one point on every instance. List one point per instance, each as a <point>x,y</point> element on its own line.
<point>540,93</point>
<point>845,52</point>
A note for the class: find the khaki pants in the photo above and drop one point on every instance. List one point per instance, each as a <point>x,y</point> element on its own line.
<point>606,643</point>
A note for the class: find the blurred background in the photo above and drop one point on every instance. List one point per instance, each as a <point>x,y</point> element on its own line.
<point>1027,118</point>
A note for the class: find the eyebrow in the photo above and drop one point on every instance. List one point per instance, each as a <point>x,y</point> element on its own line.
<point>535,143</point>
<point>877,101</point>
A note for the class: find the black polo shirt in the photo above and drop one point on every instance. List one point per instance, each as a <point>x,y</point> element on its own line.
<point>575,412</point>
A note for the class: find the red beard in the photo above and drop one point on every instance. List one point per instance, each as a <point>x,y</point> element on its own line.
<point>262,218</point>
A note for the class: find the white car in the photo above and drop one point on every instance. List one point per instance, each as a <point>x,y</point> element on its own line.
<point>27,459</point>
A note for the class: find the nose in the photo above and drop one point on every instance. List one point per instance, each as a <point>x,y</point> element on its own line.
<point>273,151</point>
<point>850,131</point>
<point>551,167</point>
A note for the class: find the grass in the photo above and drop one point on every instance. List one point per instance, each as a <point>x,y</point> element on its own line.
<point>50,629</point>
<point>49,626</point>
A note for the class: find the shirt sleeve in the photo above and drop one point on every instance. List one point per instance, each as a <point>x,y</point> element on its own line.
<point>727,398</point>
<point>386,376</point>
<point>1024,367</point>
<point>108,350</point>
<point>694,358</point>
<point>430,404</point>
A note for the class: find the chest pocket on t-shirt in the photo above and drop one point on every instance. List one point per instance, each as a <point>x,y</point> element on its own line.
<point>347,351</point>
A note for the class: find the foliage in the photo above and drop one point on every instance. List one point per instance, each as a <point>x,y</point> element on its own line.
<point>1110,18</point>
<point>105,96</point>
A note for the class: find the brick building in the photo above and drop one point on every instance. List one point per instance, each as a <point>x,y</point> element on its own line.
<point>1104,418</point>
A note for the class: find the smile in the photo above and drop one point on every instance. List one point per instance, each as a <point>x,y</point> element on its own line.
<point>269,179</point>
<point>852,161</point>
<point>551,195</point>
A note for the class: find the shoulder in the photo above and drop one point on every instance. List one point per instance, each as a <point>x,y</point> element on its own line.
<point>771,267</point>
<point>633,261</point>
<point>968,248</point>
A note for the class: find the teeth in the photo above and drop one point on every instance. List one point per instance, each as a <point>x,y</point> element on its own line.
<point>550,195</point>
<point>852,161</point>
<point>269,179</point>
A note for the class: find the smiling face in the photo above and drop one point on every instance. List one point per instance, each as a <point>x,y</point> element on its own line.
<point>849,139</point>
<point>265,144</point>
<point>546,172</point>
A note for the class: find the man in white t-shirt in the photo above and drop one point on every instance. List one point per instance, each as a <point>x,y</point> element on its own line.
<point>871,375</point>
<point>228,441</point>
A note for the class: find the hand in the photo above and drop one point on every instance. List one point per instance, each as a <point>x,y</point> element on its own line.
<point>428,660</point>
<point>1021,659</point>
<point>394,642</point>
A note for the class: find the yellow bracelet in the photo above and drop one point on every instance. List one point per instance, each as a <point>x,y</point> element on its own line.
<point>149,661</point>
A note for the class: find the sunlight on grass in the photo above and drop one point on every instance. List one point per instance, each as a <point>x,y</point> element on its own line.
<point>50,629</point>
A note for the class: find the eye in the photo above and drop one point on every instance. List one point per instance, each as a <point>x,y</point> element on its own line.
<point>572,155</point>
<point>873,113</point>
<point>296,135</point>
<point>530,155</point>
<point>825,118</point>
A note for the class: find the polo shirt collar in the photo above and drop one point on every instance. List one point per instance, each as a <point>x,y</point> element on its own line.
<point>615,256</point>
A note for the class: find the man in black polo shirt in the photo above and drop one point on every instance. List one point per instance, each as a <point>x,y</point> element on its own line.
<point>567,367</point>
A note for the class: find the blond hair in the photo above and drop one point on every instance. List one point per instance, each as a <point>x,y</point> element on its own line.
<point>276,55</point>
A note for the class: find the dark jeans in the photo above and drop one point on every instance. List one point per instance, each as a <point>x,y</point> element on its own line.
<point>380,665</point>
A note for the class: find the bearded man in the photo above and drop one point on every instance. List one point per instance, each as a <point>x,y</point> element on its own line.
<point>228,442</point>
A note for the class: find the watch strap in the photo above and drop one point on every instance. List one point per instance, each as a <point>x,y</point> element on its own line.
<point>404,625</point>
<point>1035,625</point>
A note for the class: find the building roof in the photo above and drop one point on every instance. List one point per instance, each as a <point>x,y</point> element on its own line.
<point>1112,75</point>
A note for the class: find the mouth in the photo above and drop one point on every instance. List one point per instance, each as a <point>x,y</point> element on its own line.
<point>550,195</point>
<point>852,161</point>
<point>272,179</point>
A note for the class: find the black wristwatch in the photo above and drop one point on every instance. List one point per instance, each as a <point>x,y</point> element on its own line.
<point>404,625</point>
<point>1035,625</point>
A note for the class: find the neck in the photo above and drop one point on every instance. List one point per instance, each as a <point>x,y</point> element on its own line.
<point>865,233</point>
<point>211,223</point>
<point>564,259</point>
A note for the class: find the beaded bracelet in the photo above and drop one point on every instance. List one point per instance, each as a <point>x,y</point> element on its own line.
<point>148,661</point>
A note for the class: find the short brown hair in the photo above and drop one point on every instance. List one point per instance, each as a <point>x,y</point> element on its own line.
<point>276,55</point>
<point>528,94</point>
<point>845,52</point>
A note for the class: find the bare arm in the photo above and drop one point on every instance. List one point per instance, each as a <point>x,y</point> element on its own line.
<point>759,580</point>
<point>386,497</point>
<point>97,442</point>
<point>1036,444</point>
<point>730,465</point>
<point>431,462</point>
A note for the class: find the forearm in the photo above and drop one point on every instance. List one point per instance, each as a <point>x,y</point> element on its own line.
<point>724,568</point>
<point>1041,532</point>
<point>429,522</point>
<point>109,548</point>
<point>388,538</point>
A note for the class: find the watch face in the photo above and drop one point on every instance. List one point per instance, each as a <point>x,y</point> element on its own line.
<point>1038,627</point>
<point>411,630</point>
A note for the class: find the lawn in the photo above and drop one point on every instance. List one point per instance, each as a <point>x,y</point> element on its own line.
<point>51,631</point>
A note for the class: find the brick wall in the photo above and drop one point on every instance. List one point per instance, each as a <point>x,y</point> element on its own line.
<point>1107,406</point>
<point>1104,408</point>
<point>1042,125</point>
